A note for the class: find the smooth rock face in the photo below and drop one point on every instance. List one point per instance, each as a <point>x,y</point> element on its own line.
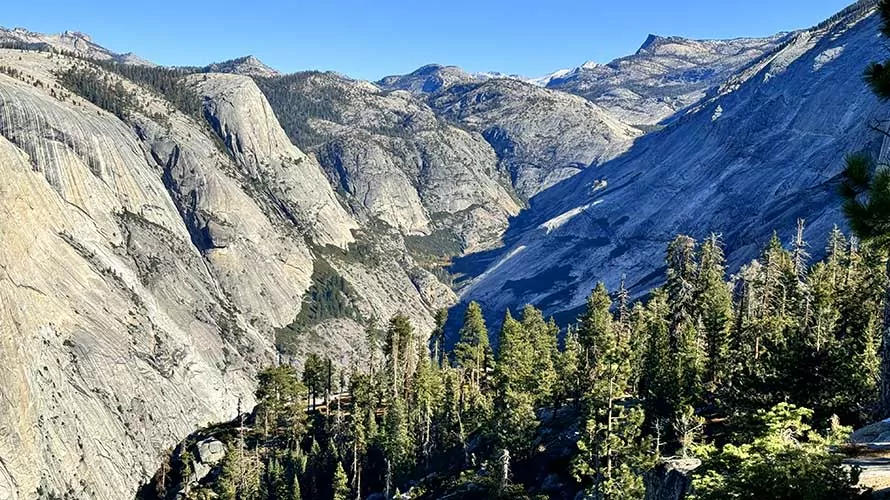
<point>115,337</point>
<point>144,268</point>
<point>666,75</point>
<point>541,136</point>
<point>243,119</point>
<point>772,155</point>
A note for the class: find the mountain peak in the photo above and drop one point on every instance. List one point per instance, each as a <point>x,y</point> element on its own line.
<point>653,42</point>
<point>248,65</point>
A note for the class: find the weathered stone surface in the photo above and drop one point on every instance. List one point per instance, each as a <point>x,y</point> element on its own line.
<point>670,479</point>
<point>541,136</point>
<point>772,155</point>
<point>666,75</point>
<point>69,41</point>
<point>398,163</point>
<point>142,273</point>
<point>243,119</point>
<point>111,326</point>
<point>211,451</point>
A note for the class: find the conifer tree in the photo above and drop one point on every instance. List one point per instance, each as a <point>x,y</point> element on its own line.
<point>279,404</point>
<point>611,454</point>
<point>568,369</point>
<point>714,309</point>
<point>340,483</point>
<point>437,338</point>
<point>541,339</point>
<point>594,325</point>
<point>473,351</point>
<point>660,385</point>
<point>426,399</point>
<point>515,385</point>
<point>314,377</point>
<point>866,193</point>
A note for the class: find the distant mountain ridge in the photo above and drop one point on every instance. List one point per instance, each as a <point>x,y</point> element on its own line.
<point>69,41</point>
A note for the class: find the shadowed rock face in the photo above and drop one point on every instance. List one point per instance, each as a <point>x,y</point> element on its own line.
<point>765,149</point>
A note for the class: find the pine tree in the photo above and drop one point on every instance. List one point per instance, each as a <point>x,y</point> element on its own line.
<point>279,400</point>
<point>594,325</point>
<point>340,483</point>
<point>426,400</point>
<point>612,455</point>
<point>437,338</point>
<point>541,337</point>
<point>568,369</point>
<point>399,351</point>
<point>714,309</point>
<point>659,385</point>
<point>314,377</point>
<point>473,351</point>
<point>515,386</point>
<point>866,191</point>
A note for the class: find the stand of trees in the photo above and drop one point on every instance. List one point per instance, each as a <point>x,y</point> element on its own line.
<point>742,372</point>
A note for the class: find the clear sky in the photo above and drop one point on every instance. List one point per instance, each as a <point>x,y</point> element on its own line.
<point>368,40</point>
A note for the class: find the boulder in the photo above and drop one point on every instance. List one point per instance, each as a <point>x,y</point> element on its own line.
<point>670,480</point>
<point>211,451</point>
<point>878,432</point>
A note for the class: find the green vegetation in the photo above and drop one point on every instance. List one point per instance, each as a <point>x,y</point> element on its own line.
<point>753,375</point>
<point>100,89</point>
<point>329,297</point>
<point>294,107</point>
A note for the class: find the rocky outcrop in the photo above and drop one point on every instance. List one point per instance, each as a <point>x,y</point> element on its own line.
<point>116,336</point>
<point>395,161</point>
<point>429,79</point>
<point>247,66</point>
<point>666,75</point>
<point>541,137</point>
<point>144,267</point>
<point>72,42</point>
<point>241,116</point>
<point>670,479</point>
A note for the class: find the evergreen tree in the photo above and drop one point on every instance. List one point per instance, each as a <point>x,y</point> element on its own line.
<point>279,400</point>
<point>340,483</point>
<point>515,386</point>
<point>660,385</point>
<point>437,338</point>
<point>594,325</point>
<point>866,191</point>
<point>611,455</point>
<point>568,369</point>
<point>714,309</point>
<point>541,338</point>
<point>473,351</point>
<point>314,377</point>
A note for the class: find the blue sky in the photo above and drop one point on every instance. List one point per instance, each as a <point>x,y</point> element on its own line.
<point>365,39</point>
